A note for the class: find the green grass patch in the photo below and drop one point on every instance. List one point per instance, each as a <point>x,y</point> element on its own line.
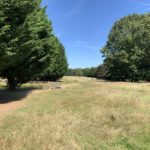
<point>83,115</point>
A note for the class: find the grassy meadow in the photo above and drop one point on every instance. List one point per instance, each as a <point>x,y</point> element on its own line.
<point>85,114</point>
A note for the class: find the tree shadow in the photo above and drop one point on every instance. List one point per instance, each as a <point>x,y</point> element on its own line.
<point>7,96</point>
<point>113,81</point>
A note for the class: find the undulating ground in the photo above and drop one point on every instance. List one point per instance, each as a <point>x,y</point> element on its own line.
<point>85,114</point>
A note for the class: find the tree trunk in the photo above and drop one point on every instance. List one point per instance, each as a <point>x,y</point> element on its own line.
<point>11,83</point>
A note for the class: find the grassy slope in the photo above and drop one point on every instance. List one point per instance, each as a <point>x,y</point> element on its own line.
<point>85,115</point>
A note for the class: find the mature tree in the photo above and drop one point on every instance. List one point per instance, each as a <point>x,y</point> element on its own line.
<point>92,72</point>
<point>127,53</point>
<point>58,66</point>
<point>25,32</point>
<point>101,72</point>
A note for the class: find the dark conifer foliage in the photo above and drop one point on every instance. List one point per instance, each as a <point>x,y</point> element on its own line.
<point>58,66</point>
<point>26,49</point>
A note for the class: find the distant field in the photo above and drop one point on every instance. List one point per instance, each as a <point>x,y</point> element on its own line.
<point>85,114</point>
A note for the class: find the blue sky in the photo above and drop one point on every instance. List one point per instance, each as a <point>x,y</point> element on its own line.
<point>83,25</point>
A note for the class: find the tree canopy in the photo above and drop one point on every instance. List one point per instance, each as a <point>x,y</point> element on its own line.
<point>58,66</point>
<point>127,53</point>
<point>26,47</point>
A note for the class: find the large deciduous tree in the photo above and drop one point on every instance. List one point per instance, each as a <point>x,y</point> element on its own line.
<point>127,52</point>
<point>25,34</point>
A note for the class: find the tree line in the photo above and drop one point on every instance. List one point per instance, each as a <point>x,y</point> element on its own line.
<point>87,72</point>
<point>94,72</point>
<point>29,49</point>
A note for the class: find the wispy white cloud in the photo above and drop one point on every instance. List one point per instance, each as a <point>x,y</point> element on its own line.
<point>92,47</point>
<point>60,34</point>
<point>77,8</point>
<point>146,6</point>
<point>86,44</point>
<point>141,5</point>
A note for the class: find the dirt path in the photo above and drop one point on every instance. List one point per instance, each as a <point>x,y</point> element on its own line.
<point>5,108</point>
<point>10,101</point>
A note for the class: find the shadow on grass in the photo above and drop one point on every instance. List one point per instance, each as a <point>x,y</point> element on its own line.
<point>113,81</point>
<point>7,96</point>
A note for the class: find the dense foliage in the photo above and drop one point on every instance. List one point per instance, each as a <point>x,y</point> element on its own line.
<point>127,52</point>
<point>26,47</point>
<point>58,66</point>
<point>101,72</point>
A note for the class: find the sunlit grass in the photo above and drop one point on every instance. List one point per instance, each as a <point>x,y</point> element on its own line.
<point>85,114</point>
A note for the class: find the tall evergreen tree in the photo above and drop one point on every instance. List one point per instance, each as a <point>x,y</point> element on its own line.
<point>25,32</point>
<point>58,66</point>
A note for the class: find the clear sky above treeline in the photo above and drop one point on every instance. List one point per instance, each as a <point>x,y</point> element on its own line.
<point>83,25</point>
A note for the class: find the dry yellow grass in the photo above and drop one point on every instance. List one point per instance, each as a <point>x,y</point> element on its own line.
<point>86,114</point>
